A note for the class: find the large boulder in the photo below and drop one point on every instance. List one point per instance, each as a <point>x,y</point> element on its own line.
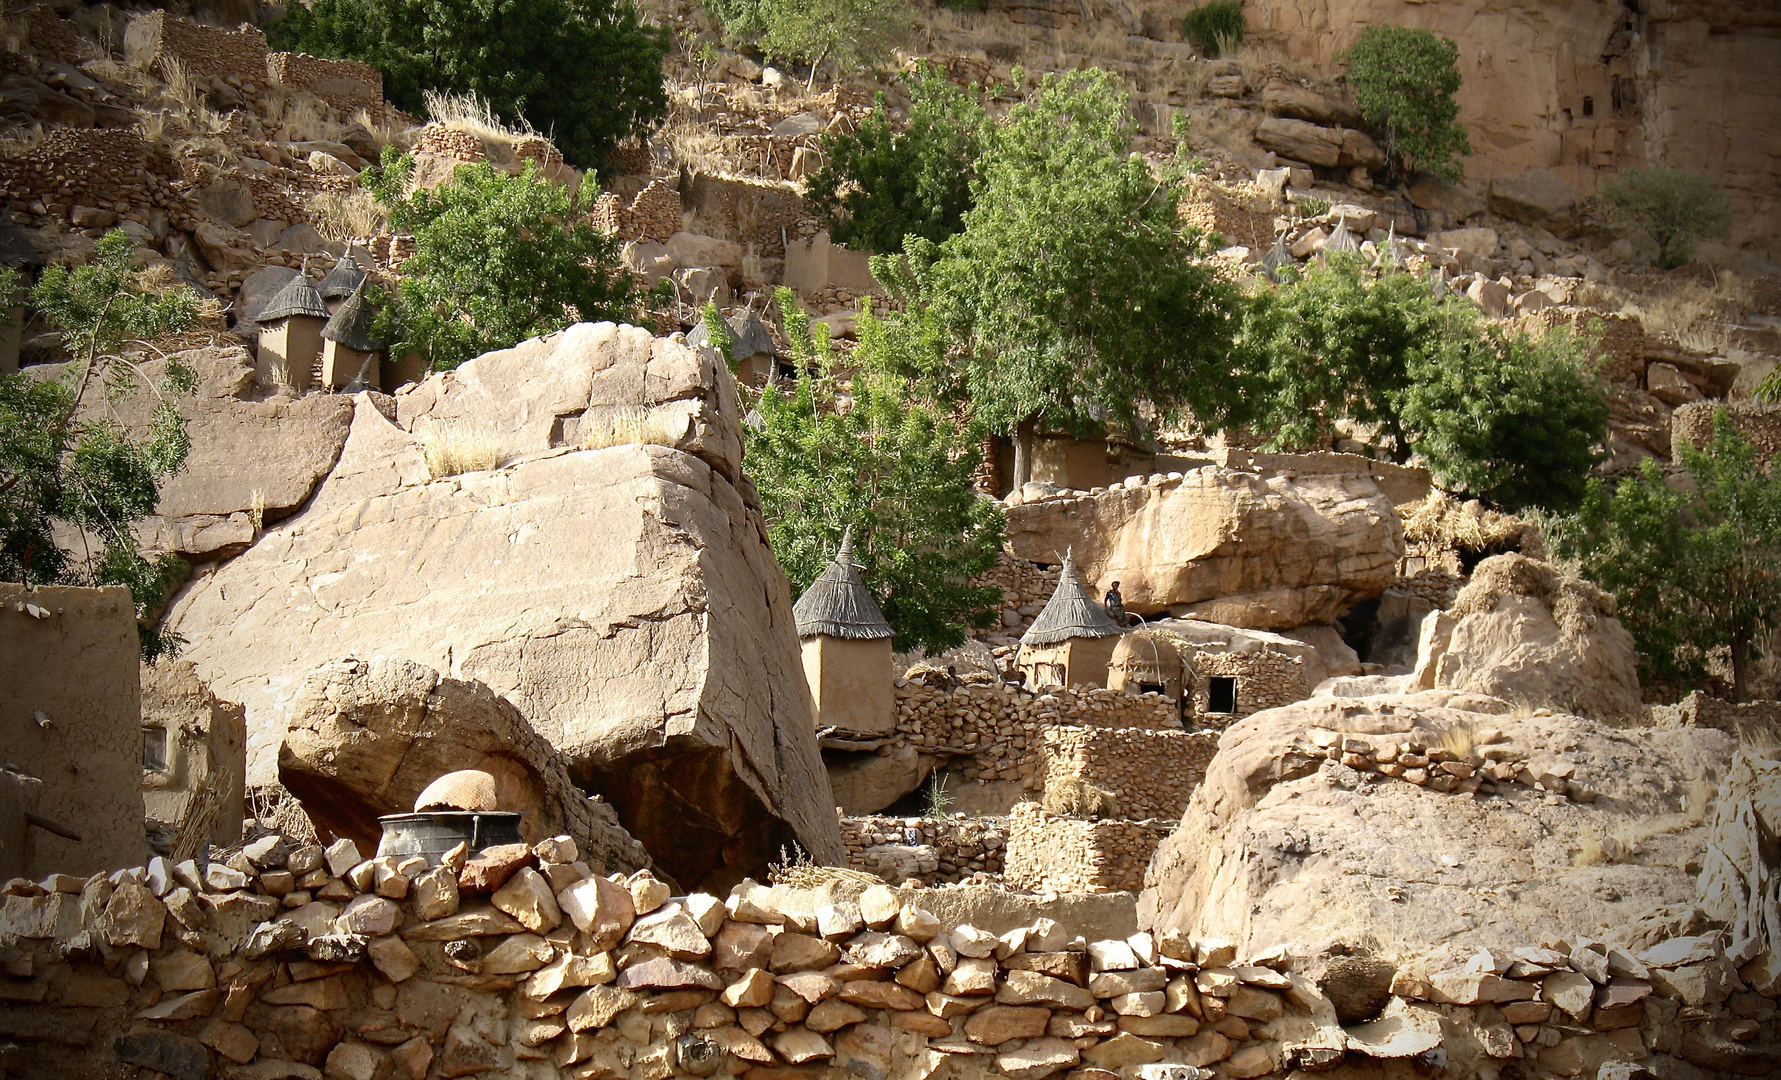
<point>365,737</point>
<point>1540,197</point>
<point>1225,546</point>
<point>1740,882</point>
<point>623,599</point>
<point>1281,844</point>
<point>1301,140</point>
<point>1524,631</point>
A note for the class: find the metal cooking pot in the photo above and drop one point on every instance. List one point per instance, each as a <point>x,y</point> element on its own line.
<point>432,833</point>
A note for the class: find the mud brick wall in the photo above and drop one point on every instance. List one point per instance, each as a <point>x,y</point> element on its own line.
<point>347,85</point>
<point>1152,774</point>
<point>289,961</point>
<point>968,848</point>
<point>1067,854</point>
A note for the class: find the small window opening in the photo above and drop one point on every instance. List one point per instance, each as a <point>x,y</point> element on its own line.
<point>154,749</point>
<point>1222,694</point>
<point>1589,106</point>
<point>1150,688</point>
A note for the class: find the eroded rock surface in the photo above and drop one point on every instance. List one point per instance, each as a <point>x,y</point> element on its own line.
<point>366,737</point>
<point>1225,546</point>
<point>622,599</point>
<point>1282,843</point>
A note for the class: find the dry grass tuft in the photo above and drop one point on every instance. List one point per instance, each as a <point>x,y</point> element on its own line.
<point>1071,797</point>
<point>347,216</point>
<point>1574,602</point>
<point>452,447</point>
<point>16,142</point>
<point>1460,739</point>
<point>627,425</point>
<point>303,117</point>
<point>472,115</point>
<point>1443,521</point>
<point>1696,316</point>
<point>699,149</point>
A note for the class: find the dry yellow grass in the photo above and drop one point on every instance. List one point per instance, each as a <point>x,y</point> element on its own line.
<point>1071,797</point>
<point>348,216</point>
<point>452,447</point>
<point>624,425</point>
<point>472,115</point>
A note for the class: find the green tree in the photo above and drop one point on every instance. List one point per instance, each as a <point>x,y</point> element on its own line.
<point>1694,566</point>
<point>849,35</point>
<point>1074,294</point>
<point>1216,27</point>
<point>589,72</point>
<point>880,184</point>
<point>64,462</point>
<point>1404,81</point>
<point>497,259</point>
<point>1672,208</point>
<point>1509,418</point>
<point>1514,419</point>
<point>891,468</point>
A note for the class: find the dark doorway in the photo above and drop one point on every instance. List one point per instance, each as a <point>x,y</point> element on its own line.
<point>1222,695</point>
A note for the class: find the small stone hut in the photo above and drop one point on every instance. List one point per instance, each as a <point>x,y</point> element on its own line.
<point>1148,662</point>
<point>349,352</point>
<point>291,335</point>
<point>1071,642</point>
<point>847,650</point>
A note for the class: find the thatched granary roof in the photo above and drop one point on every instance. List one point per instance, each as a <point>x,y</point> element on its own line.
<point>838,604</point>
<point>351,325</point>
<point>1070,613</point>
<point>343,280</point>
<point>298,297</point>
<point>1341,242</point>
<point>749,336</point>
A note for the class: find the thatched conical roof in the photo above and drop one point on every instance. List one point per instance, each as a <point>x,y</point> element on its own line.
<point>1070,613</point>
<point>343,280</point>
<point>351,325</point>
<point>298,297</point>
<point>838,604</point>
<point>1277,259</point>
<point>1341,242</point>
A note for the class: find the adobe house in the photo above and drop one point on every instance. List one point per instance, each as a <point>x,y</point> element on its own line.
<point>291,335</point>
<point>752,352</point>
<point>1146,662</point>
<point>1071,643</point>
<point>194,760</point>
<point>350,355</point>
<point>847,650</point>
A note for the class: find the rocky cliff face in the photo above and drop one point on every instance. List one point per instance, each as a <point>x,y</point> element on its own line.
<point>622,598</point>
<point>1591,86</point>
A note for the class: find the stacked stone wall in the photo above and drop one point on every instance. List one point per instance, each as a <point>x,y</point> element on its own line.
<point>1692,425</point>
<point>1151,774</point>
<point>1214,208</point>
<point>653,216</point>
<point>1001,727</point>
<point>238,57</point>
<point>106,169</point>
<point>1620,345</point>
<point>1265,680</point>
<point>304,962</point>
<point>347,85</point>
<point>1701,710</point>
<point>756,215</point>
<point>449,142</point>
<point>1050,853</point>
<point>966,849</point>
<point>49,35</point>
<point>1025,588</point>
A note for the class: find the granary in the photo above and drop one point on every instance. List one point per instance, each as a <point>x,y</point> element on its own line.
<point>752,353</point>
<point>1146,661</point>
<point>1071,642</point>
<point>339,284</point>
<point>291,335</point>
<point>847,649</point>
<point>349,352</point>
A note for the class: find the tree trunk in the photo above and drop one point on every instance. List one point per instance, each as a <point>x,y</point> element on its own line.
<point>1023,451</point>
<point>1740,665</point>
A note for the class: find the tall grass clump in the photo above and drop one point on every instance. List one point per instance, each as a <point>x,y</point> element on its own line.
<point>1216,28</point>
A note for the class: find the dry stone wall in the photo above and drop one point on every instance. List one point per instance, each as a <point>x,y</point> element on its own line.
<point>299,962</point>
<point>106,169</point>
<point>1051,853</point>
<point>1151,774</point>
<point>654,215</point>
<point>1265,680</point>
<point>1700,710</point>
<point>1692,425</point>
<point>239,57</point>
<point>1001,727</point>
<point>964,849</point>
<point>347,85</point>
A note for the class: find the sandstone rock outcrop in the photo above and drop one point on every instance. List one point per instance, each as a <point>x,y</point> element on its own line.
<point>366,737</point>
<point>623,599</point>
<point>1225,546</point>
<point>1740,882</point>
<point>1523,631</point>
<point>1309,824</point>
